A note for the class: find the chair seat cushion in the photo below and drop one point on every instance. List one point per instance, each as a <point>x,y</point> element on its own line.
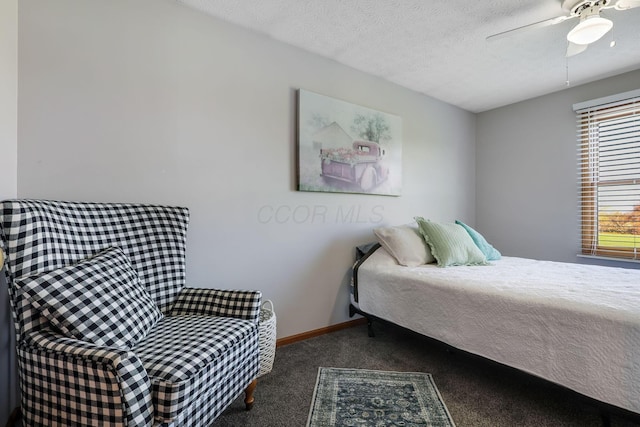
<point>184,355</point>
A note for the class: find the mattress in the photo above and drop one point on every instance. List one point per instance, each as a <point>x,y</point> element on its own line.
<point>576,325</point>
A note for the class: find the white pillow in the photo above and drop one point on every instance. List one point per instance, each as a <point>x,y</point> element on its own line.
<point>405,243</point>
<point>99,300</point>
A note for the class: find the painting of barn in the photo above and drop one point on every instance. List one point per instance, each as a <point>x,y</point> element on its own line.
<point>343,147</point>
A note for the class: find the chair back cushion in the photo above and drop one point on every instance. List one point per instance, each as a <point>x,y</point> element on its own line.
<point>40,236</point>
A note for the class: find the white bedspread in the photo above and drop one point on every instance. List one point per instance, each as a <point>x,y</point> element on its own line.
<point>573,324</point>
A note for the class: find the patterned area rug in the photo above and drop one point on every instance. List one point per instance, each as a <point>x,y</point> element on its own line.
<point>363,398</point>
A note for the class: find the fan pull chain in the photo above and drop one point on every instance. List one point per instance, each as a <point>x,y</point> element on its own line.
<point>567,81</point>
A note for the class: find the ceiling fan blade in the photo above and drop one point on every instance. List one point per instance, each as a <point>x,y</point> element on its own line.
<point>574,49</point>
<point>627,4</point>
<point>545,23</point>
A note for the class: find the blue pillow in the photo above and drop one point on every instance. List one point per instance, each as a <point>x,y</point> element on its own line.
<point>489,251</point>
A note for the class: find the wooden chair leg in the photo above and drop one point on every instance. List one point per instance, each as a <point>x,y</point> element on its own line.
<point>248,394</point>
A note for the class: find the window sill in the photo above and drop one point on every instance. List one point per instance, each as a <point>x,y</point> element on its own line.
<point>605,258</point>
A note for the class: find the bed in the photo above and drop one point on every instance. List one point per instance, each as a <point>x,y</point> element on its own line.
<point>573,324</point>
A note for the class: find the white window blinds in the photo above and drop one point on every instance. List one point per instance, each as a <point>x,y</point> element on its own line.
<point>608,136</point>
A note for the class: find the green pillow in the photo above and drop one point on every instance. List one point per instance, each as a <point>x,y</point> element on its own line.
<point>450,244</point>
<point>489,251</point>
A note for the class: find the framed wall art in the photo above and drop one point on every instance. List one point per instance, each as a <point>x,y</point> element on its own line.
<point>347,148</point>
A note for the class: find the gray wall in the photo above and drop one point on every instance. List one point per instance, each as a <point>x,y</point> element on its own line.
<point>150,101</point>
<point>8,98</point>
<point>8,187</point>
<point>526,186</point>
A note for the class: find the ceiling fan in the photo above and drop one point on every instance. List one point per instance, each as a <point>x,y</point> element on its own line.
<point>590,28</point>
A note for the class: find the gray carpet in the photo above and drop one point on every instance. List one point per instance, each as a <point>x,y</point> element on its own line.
<point>477,392</point>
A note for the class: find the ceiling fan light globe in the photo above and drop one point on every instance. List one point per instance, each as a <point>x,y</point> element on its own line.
<point>589,30</point>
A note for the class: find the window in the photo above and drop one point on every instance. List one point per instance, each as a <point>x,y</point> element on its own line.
<point>609,175</point>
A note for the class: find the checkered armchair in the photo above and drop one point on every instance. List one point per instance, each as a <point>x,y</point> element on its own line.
<point>107,333</point>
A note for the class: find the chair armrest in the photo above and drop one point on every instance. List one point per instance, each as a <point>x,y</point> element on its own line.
<point>217,302</point>
<point>94,385</point>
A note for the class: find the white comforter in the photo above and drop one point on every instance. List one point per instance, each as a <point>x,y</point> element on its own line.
<point>573,324</point>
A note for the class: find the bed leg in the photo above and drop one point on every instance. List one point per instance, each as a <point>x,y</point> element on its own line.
<point>370,328</point>
<point>353,310</point>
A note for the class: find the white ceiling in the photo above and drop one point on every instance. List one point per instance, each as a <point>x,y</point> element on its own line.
<point>440,48</point>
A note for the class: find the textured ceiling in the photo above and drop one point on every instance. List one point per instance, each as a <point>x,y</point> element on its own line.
<point>440,48</point>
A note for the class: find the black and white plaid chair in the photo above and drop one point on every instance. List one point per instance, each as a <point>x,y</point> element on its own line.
<point>107,334</point>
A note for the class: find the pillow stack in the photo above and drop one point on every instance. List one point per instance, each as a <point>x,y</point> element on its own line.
<point>447,244</point>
